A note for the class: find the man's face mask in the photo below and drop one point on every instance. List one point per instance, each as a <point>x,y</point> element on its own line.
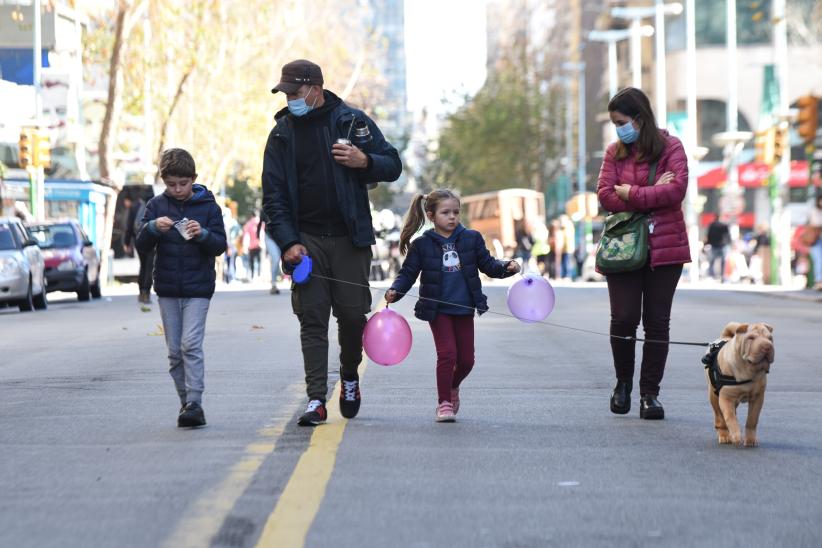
<point>298,107</point>
<point>627,133</point>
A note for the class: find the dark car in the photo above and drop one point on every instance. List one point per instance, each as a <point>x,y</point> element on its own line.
<point>72,262</point>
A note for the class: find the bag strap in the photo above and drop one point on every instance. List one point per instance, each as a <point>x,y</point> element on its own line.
<point>652,174</point>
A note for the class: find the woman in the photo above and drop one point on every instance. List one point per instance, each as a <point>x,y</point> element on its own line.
<point>644,152</point>
<point>814,240</point>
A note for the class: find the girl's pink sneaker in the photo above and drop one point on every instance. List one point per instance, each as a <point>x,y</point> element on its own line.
<point>445,412</point>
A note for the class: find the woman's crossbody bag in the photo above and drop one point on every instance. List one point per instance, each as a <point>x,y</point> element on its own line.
<point>624,243</point>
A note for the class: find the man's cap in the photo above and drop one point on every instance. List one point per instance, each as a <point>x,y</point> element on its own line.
<point>297,74</point>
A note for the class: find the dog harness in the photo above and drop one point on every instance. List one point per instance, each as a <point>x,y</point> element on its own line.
<point>718,380</point>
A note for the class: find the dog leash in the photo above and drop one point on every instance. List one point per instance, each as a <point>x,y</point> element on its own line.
<point>543,322</point>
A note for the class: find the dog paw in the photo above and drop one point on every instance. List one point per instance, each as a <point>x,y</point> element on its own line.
<point>751,441</point>
<point>723,439</point>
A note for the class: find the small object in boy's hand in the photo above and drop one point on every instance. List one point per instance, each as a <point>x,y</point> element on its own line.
<point>182,228</point>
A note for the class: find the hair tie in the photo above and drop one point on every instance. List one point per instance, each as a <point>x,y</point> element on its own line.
<point>425,196</point>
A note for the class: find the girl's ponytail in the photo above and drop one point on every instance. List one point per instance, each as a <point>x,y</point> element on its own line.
<point>414,219</point>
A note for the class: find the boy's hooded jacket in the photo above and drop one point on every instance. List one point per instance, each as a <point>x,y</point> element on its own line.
<point>425,259</point>
<point>184,268</point>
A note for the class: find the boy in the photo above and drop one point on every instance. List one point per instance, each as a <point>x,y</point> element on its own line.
<point>185,225</point>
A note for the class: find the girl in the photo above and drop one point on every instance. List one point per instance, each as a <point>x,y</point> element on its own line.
<point>450,258</point>
<point>641,151</point>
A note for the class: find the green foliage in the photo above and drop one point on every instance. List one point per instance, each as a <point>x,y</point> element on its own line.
<point>246,195</point>
<point>499,139</point>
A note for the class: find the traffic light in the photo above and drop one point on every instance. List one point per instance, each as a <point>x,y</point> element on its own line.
<point>781,142</point>
<point>764,145</point>
<point>26,148</point>
<point>42,150</point>
<point>808,118</point>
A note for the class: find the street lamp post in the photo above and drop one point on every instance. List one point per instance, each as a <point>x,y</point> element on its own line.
<point>732,142</point>
<point>636,14</point>
<point>611,37</point>
<point>780,218</point>
<point>586,234</point>
<point>691,140</point>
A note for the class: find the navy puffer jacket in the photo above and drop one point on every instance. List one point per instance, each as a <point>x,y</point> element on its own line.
<point>425,256</point>
<point>184,268</point>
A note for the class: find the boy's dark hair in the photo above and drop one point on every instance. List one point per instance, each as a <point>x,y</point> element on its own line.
<point>176,162</point>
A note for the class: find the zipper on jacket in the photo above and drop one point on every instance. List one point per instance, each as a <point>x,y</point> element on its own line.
<point>327,135</point>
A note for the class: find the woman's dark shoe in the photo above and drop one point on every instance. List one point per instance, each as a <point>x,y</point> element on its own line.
<point>650,408</point>
<point>621,398</point>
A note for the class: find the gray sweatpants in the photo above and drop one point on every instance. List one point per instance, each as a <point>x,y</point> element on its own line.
<point>184,325</point>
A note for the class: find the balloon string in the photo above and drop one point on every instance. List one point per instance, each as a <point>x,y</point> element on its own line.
<point>543,322</point>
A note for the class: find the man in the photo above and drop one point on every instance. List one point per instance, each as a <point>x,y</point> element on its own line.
<point>315,193</point>
<point>719,238</point>
<point>134,219</point>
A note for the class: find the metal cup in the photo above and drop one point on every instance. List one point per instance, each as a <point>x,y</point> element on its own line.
<point>343,141</point>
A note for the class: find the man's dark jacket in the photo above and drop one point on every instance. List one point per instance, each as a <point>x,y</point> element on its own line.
<point>184,268</point>
<point>280,179</point>
<point>425,256</point>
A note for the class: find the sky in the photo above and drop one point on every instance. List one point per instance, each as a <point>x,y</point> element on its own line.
<point>445,48</point>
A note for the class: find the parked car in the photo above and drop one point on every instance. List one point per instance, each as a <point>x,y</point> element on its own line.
<point>22,268</point>
<point>72,261</point>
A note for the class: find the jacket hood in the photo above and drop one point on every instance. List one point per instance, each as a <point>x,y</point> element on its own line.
<point>200,195</point>
<point>331,102</point>
<point>431,233</point>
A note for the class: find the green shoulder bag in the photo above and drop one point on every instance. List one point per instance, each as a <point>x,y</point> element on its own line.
<point>624,243</point>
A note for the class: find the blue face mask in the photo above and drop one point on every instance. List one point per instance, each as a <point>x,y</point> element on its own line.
<point>298,107</point>
<point>627,133</point>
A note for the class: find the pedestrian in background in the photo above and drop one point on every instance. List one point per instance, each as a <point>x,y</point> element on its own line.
<point>315,196</point>
<point>184,274</point>
<point>450,258</point>
<point>272,250</point>
<point>251,246</point>
<point>813,238</point>
<point>135,212</point>
<point>626,184</point>
<point>719,240</point>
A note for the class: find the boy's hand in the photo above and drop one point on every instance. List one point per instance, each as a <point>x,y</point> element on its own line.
<point>390,296</point>
<point>163,224</point>
<point>513,266</point>
<point>194,229</point>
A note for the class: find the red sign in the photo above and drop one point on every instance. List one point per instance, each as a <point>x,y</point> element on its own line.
<point>754,175</point>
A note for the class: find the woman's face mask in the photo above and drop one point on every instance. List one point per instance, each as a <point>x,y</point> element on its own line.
<point>627,133</point>
<point>298,107</point>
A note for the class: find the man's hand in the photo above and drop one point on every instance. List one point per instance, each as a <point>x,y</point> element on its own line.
<point>390,296</point>
<point>295,254</point>
<point>512,266</point>
<point>623,191</point>
<point>667,178</point>
<point>349,156</point>
<point>194,229</point>
<point>163,224</point>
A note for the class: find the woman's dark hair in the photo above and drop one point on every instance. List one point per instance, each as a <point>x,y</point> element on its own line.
<point>633,103</point>
<point>415,217</point>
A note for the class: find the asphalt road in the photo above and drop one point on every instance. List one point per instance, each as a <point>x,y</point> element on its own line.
<point>91,455</point>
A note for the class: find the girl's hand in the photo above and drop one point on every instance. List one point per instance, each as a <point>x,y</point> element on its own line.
<point>163,224</point>
<point>667,178</point>
<point>512,266</point>
<point>390,296</point>
<point>193,228</point>
<point>623,191</point>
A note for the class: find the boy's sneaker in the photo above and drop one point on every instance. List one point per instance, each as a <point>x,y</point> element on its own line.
<point>455,399</point>
<point>445,412</point>
<point>314,414</point>
<point>350,398</point>
<point>191,415</point>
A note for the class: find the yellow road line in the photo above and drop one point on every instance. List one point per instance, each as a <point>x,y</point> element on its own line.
<point>288,524</point>
<point>204,518</point>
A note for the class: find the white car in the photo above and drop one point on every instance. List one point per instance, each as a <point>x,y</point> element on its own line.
<point>22,269</point>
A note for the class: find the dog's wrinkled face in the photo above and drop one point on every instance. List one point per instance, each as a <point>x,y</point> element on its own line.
<point>754,344</point>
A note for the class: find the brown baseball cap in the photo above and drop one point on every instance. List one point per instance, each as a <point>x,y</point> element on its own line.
<point>297,74</point>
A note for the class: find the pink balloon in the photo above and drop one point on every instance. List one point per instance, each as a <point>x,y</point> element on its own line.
<point>387,337</point>
<point>531,298</point>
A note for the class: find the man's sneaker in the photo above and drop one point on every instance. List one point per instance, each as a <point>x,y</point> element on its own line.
<point>445,412</point>
<point>455,399</point>
<point>191,415</point>
<point>350,398</point>
<point>314,414</point>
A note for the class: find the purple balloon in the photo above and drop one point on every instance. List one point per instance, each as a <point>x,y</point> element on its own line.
<point>531,298</point>
<point>387,337</point>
